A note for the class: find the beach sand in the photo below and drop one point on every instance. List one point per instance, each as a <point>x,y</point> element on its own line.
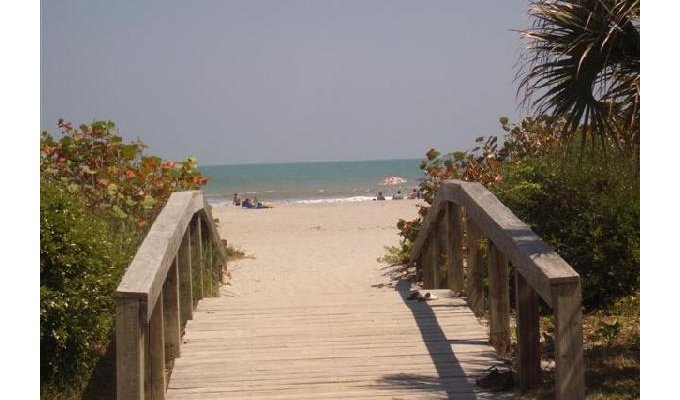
<point>311,249</point>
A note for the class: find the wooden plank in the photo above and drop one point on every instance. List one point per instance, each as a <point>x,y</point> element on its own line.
<point>208,265</point>
<point>475,290</point>
<point>443,270</point>
<point>431,264</point>
<point>428,225</point>
<point>536,260</point>
<point>171,318</point>
<point>157,356</point>
<point>569,368</point>
<point>206,215</point>
<point>455,247</point>
<point>197,254</point>
<point>185,286</point>
<point>499,299</point>
<point>335,344</point>
<point>129,350</point>
<point>527,333</point>
<point>159,247</point>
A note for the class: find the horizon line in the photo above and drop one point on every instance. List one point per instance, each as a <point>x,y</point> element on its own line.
<point>307,162</point>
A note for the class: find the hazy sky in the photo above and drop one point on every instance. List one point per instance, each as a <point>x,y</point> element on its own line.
<point>277,81</point>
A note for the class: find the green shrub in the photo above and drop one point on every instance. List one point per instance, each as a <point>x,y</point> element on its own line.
<point>587,207</point>
<point>582,200</point>
<point>99,195</point>
<point>80,266</point>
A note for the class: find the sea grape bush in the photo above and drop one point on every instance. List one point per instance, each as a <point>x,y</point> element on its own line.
<point>581,199</point>
<point>81,263</point>
<point>114,177</point>
<point>587,207</point>
<point>99,195</point>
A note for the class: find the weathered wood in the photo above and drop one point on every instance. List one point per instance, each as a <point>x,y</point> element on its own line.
<point>475,269</point>
<point>499,299</point>
<point>185,289</point>
<point>206,214</point>
<point>527,333</point>
<point>152,282</point>
<point>335,347</point>
<point>443,262</point>
<point>428,225</point>
<point>159,249</point>
<point>455,247</point>
<point>536,260</point>
<point>208,265</point>
<point>130,349</point>
<point>197,254</point>
<point>171,320</point>
<point>157,357</point>
<point>433,263</point>
<point>569,368</point>
<point>426,266</point>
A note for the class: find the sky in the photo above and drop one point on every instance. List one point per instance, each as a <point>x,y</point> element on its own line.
<point>250,81</point>
<point>145,67</point>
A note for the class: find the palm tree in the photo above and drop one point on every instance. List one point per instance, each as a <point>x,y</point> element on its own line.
<point>582,63</point>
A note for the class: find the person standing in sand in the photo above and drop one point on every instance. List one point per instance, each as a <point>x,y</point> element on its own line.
<point>237,200</point>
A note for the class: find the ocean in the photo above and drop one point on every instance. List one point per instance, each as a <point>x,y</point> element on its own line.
<point>311,182</point>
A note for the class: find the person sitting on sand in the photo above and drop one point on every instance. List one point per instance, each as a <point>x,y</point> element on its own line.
<point>398,196</point>
<point>237,200</point>
<point>257,204</point>
<point>380,196</point>
<point>413,195</point>
<point>247,203</point>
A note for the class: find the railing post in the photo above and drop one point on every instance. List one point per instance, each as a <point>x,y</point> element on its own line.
<point>197,254</point>
<point>569,369</point>
<point>209,264</point>
<point>454,247</point>
<point>432,263</point>
<point>499,296</point>
<point>157,354</point>
<point>130,349</point>
<point>475,291</point>
<point>441,272</point>
<point>171,313</point>
<point>527,332</point>
<point>185,289</point>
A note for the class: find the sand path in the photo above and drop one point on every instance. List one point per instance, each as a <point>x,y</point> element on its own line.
<point>304,251</point>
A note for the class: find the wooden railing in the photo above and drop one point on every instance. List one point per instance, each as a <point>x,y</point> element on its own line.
<point>180,261</point>
<point>447,253</point>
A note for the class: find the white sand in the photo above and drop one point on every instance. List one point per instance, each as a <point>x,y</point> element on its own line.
<point>311,249</point>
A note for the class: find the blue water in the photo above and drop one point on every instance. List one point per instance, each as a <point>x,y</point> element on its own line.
<point>309,182</point>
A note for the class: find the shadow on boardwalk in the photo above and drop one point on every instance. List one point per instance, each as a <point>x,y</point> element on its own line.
<point>452,382</point>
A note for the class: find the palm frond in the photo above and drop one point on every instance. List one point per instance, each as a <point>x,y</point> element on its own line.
<point>582,63</point>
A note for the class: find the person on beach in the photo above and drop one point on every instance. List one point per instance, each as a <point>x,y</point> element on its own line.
<point>413,195</point>
<point>398,196</point>
<point>257,204</point>
<point>237,200</point>
<point>247,203</point>
<point>380,196</point>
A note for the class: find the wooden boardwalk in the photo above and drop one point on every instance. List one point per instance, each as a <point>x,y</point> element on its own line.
<point>314,316</point>
<point>333,347</point>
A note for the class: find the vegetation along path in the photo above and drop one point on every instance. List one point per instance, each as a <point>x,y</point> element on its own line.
<point>314,315</point>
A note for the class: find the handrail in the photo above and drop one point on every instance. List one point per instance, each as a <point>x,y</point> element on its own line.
<point>461,214</point>
<point>180,260</point>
